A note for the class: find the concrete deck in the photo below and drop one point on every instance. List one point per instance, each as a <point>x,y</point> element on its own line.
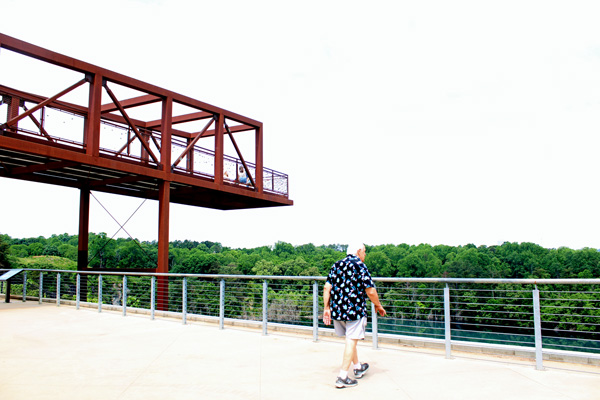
<point>50,352</point>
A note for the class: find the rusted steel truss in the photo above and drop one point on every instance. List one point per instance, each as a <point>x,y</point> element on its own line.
<point>155,139</point>
<point>121,144</point>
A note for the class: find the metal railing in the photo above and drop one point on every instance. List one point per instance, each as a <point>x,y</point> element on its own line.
<point>542,317</point>
<point>66,128</point>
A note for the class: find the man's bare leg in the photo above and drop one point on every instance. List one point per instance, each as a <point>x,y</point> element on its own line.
<point>350,354</point>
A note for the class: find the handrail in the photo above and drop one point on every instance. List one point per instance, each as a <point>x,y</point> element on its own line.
<point>567,281</point>
<point>449,311</point>
<point>270,186</point>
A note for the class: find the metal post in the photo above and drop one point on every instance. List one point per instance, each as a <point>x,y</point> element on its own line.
<point>315,311</point>
<point>447,323</point>
<point>24,286</point>
<point>184,301</point>
<point>265,307</point>
<point>124,300</point>
<point>537,327</point>
<point>99,293</point>
<point>7,294</point>
<point>41,287</point>
<point>374,327</point>
<point>152,297</point>
<point>222,304</point>
<point>58,289</point>
<point>77,291</point>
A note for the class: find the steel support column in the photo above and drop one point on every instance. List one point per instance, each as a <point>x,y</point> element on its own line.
<point>164,197</point>
<point>219,150</point>
<point>258,143</point>
<point>163,245</point>
<point>165,139</point>
<point>83,238</point>
<point>13,110</point>
<point>92,123</point>
<point>189,165</point>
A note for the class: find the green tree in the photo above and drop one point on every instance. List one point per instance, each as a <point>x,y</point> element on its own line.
<point>264,267</point>
<point>4,252</point>
<point>284,250</point>
<point>379,264</point>
<point>35,249</point>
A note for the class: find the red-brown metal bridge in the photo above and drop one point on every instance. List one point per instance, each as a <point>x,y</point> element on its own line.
<point>104,131</point>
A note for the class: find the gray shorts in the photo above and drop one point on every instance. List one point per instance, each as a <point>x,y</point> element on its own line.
<point>351,329</point>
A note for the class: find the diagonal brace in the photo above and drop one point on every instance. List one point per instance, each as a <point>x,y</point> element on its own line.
<point>239,153</point>
<point>42,104</point>
<point>39,125</point>
<point>130,122</point>
<point>193,143</point>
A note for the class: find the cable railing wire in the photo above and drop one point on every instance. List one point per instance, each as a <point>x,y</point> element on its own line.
<point>416,310</point>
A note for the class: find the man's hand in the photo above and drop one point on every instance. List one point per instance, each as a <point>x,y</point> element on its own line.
<point>380,310</point>
<point>374,297</point>
<point>327,316</point>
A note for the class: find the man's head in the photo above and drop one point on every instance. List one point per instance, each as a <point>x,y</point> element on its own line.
<point>357,249</point>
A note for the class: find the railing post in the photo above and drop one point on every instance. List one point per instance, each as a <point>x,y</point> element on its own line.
<point>222,304</point>
<point>41,286</point>
<point>265,307</point>
<point>447,323</point>
<point>77,291</point>
<point>24,286</point>
<point>184,301</point>
<point>537,327</point>
<point>124,297</point>
<point>374,327</point>
<point>99,293</point>
<point>152,297</point>
<point>315,311</point>
<point>57,289</point>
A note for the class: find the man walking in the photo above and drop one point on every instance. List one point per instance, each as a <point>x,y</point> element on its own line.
<point>344,301</point>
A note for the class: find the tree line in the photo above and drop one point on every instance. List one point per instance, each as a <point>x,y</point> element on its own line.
<point>508,260</point>
<point>569,312</point>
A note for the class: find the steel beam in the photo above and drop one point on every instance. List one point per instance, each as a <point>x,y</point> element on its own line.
<point>163,244</point>
<point>130,123</point>
<point>239,153</point>
<point>258,149</point>
<point>219,149</point>
<point>44,103</point>
<point>191,145</point>
<point>92,124</point>
<point>129,103</point>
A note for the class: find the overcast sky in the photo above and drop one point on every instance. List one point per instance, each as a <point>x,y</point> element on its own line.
<point>440,122</point>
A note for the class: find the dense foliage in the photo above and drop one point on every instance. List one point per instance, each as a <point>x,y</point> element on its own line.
<point>499,313</point>
<point>509,260</point>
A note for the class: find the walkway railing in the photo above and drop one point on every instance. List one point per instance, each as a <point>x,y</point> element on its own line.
<point>66,128</point>
<point>546,317</point>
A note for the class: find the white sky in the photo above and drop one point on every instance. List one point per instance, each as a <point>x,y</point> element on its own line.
<point>397,121</point>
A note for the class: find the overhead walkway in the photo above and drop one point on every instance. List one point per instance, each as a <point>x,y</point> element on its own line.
<point>50,352</point>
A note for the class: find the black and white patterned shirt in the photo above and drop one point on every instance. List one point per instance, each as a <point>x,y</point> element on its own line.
<point>349,278</point>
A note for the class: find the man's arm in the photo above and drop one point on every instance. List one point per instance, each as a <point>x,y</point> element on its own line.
<point>326,309</point>
<point>374,297</point>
